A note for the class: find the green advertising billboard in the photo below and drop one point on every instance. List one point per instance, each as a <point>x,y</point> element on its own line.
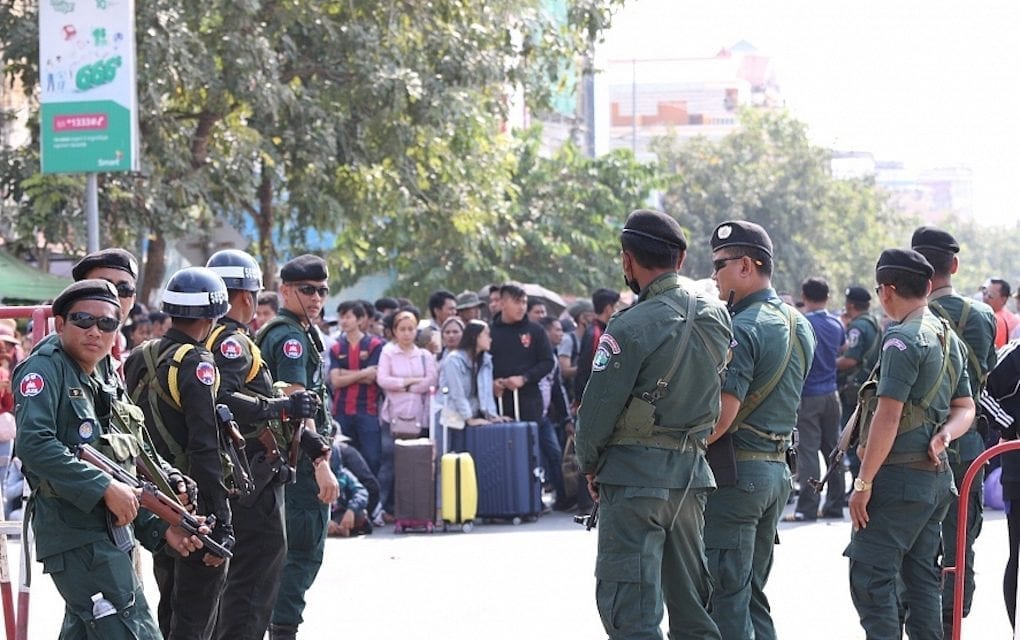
<point>88,105</point>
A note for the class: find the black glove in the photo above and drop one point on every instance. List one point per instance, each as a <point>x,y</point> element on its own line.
<point>223,534</point>
<point>313,445</point>
<point>300,404</point>
<point>175,478</point>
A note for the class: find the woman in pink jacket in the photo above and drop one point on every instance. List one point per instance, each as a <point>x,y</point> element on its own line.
<point>407,374</point>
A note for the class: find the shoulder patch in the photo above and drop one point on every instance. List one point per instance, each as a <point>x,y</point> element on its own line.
<point>894,343</point>
<point>230,349</point>
<point>610,343</point>
<point>206,373</point>
<point>601,359</point>
<point>32,385</point>
<point>86,430</point>
<point>853,337</point>
<point>293,349</point>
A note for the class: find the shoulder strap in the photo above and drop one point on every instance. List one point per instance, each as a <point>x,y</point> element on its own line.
<point>957,327</point>
<point>256,353</point>
<point>754,399</point>
<point>155,393</point>
<point>946,367</point>
<point>662,385</point>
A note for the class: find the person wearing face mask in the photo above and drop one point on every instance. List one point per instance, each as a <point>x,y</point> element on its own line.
<point>652,398</point>
<point>772,350</point>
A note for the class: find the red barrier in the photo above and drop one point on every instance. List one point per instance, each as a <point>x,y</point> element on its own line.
<point>960,570</point>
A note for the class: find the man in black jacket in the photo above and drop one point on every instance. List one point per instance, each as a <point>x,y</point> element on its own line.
<point>521,355</point>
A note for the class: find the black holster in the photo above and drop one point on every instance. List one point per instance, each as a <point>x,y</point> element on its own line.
<point>722,457</point>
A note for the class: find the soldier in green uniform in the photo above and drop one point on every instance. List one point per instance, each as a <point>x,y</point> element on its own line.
<point>174,381</point>
<point>773,347</point>
<point>974,323</point>
<point>247,389</point>
<point>651,401</point>
<point>292,350</point>
<point>905,485</point>
<point>60,404</point>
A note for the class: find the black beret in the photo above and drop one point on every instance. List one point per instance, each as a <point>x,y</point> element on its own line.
<point>85,290</point>
<point>905,260</point>
<point>934,238</point>
<point>857,294</point>
<point>741,233</point>
<point>655,225</point>
<point>306,267</point>
<point>112,258</point>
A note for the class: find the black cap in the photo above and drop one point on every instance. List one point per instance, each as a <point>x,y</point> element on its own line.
<point>741,233</point>
<point>306,267</point>
<point>933,238</point>
<point>655,225</point>
<point>112,258</point>
<point>905,260</point>
<point>857,294</point>
<point>92,289</point>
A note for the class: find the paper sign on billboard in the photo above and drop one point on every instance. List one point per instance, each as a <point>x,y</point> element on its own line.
<point>88,106</point>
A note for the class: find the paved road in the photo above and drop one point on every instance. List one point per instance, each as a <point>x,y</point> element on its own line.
<point>535,581</point>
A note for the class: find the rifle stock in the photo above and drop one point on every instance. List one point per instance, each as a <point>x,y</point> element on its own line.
<point>848,438</point>
<point>162,506</point>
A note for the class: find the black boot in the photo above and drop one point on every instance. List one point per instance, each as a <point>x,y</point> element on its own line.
<point>282,632</point>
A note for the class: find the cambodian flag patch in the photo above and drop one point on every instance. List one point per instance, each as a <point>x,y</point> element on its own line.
<point>293,349</point>
<point>32,385</point>
<point>206,373</point>
<point>230,349</point>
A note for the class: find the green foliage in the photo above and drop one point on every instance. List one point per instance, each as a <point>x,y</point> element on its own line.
<point>768,172</point>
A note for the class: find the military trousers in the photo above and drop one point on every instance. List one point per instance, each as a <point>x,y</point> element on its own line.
<point>82,572</point>
<point>740,532</point>
<point>254,577</point>
<point>902,540</point>
<point>975,517</point>
<point>189,594</point>
<point>306,540</point>
<point>651,552</point>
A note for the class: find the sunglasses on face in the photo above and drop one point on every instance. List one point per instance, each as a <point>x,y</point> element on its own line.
<point>124,290</point>
<point>310,290</point>
<point>84,320</point>
<point>720,264</point>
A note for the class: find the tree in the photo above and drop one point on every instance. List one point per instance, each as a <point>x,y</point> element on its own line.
<point>557,224</point>
<point>768,172</point>
<point>293,118</point>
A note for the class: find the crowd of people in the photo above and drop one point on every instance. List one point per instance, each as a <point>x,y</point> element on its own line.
<point>696,420</point>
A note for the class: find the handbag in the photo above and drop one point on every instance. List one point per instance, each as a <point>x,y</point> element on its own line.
<point>405,427</point>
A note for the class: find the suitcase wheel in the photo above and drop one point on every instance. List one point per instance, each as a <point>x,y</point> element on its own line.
<point>467,527</point>
<point>398,529</point>
<point>429,528</point>
<point>446,527</point>
<point>516,521</point>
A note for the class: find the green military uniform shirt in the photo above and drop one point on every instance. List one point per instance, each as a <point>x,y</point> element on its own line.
<point>862,345</point>
<point>974,323</point>
<point>637,348</point>
<point>761,338</point>
<point>59,406</point>
<point>912,364</point>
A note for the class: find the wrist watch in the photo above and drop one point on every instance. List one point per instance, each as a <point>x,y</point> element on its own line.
<point>861,485</point>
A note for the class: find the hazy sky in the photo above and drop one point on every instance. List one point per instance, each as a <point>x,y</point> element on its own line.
<point>933,83</point>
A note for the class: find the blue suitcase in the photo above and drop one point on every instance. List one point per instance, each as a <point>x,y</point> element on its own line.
<point>508,465</point>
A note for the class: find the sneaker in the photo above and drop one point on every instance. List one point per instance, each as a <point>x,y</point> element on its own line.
<point>797,516</point>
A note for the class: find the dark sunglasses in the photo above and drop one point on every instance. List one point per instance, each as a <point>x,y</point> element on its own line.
<point>124,290</point>
<point>84,320</point>
<point>718,265</point>
<point>311,290</point>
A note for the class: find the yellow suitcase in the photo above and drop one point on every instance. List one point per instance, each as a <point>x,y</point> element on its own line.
<point>459,491</point>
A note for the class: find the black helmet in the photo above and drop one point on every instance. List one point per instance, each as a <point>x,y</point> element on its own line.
<point>238,269</point>
<point>195,292</point>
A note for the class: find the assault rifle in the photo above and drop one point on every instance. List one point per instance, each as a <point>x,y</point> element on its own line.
<point>241,473</point>
<point>589,520</point>
<point>163,506</point>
